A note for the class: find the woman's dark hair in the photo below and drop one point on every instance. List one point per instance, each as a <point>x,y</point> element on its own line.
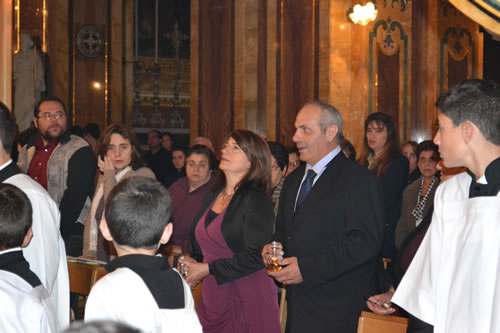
<point>203,150</point>
<point>348,149</point>
<point>127,134</point>
<point>279,153</point>
<point>180,148</point>
<point>391,148</point>
<point>428,145</point>
<point>259,155</point>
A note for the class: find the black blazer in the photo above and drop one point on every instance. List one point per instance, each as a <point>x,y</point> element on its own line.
<point>393,183</point>
<point>336,235</point>
<point>247,226</point>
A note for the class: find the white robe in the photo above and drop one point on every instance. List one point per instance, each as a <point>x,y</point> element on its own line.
<point>453,282</point>
<point>124,297</point>
<point>24,308</point>
<point>46,253</point>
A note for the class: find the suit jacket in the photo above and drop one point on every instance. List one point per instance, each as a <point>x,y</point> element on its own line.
<point>336,235</point>
<point>246,227</point>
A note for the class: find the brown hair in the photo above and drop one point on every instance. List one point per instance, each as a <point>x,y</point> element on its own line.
<point>259,155</point>
<point>127,134</point>
<point>391,148</point>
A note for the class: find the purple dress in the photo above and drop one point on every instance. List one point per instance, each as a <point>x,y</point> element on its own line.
<point>245,305</point>
<point>185,207</point>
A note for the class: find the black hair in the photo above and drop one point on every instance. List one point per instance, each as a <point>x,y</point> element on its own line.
<point>36,111</point>
<point>428,145</point>
<point>293,150</point>
<point>137,211</point>
<point>348,149</point>
<point>93,130</point>
<point>167,134</point>
<point>477,101</point>
<point>100,326</point>
<point>7,128</point>
<point>184,149</point>
<point>77,130</point>
<point>279,153</point>
<point>15,216</point>
<point>203,150</point>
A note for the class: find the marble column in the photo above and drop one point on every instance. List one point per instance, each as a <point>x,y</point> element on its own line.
<point>6,53</point>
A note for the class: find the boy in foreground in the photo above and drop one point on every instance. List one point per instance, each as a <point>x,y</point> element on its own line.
<point>25,304</point>
<point>141,290</point>
<point>452,284</point>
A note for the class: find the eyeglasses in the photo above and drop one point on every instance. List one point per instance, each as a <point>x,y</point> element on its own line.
<point>56,116</point>
<point>294,164</point>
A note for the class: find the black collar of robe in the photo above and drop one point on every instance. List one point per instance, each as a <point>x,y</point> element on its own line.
<point>162,281</point>
<point>491,189</point>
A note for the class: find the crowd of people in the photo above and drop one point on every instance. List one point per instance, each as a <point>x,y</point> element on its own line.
<point>399,227</point>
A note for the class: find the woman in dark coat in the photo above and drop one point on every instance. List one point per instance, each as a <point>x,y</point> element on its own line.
<point>382,155</point>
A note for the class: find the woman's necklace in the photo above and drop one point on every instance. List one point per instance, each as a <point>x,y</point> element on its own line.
<point>226,198</point>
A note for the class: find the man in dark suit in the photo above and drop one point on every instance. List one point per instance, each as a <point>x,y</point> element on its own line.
<point>330,225</point>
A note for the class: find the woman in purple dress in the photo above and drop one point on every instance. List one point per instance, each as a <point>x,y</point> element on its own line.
<point>187,194</point>
<point>233,225</point>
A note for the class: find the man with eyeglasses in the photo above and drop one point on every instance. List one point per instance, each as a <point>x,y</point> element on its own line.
<point>64,165</point>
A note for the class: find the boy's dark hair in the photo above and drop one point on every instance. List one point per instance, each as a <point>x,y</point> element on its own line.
<point>477,101</point>
<point>93,130</point>
<point>7,128</point>
<point>100,326</point>
<point>137,211</point>
<point>428,145</point>
<point>15,216</point>
<point>36,110</point>
<point>280,153</point>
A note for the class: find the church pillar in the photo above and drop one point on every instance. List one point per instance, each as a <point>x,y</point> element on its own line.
<point>6,53</point>
<point>58,49</point>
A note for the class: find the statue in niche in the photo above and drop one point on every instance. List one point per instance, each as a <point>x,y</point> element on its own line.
<point>28,75</point>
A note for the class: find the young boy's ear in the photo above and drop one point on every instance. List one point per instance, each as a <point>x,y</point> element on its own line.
<point>167,232</point>
<point>468,131</point>
<point>27,238</point>
<point>103,226</point>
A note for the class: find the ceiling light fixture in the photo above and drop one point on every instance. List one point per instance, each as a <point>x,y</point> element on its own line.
<point>362,14</point>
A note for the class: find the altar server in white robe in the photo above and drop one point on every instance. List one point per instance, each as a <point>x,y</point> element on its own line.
<point>453,282</point>
<point>25,304</point>
<point>141,289</point>
<point>46,253</point>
